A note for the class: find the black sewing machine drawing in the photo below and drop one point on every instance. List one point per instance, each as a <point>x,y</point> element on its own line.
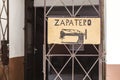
<point>73,32</point>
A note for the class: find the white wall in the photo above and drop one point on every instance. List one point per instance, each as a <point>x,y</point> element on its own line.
<point>16,25</point>
<point>113,31</point>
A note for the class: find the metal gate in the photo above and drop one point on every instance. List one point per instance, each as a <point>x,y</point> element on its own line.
<point>4,36</point>
<point>4,20</point>
<point>72,61</point>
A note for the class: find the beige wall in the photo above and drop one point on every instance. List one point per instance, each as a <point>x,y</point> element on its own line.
<point>113,72</point>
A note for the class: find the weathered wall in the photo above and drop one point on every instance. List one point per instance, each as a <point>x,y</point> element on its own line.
<point>16,39</point>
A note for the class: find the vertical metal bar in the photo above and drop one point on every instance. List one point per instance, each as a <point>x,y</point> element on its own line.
<point>8,32</point>
<point>8,20</point>
<point>44,45</point>
<point>101,2</point>
<point>73,56</point>
<point>73,11</point>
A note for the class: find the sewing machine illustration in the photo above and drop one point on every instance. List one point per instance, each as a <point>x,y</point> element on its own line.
<point>73,32</point>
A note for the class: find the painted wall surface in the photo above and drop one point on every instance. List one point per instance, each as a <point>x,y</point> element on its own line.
<point>113,31</point>
<point>66,2</point>
<point>16,25</point>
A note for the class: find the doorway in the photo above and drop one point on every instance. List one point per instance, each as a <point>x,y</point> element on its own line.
<point>59,61</point>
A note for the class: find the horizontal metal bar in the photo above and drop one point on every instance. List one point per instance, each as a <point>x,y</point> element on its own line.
<point>58,55</point>
<point>4,18</point>
<point>91,55</point>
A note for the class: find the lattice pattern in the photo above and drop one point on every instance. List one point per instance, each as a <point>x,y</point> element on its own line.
<point>3,19</point>
<point>73,55</point>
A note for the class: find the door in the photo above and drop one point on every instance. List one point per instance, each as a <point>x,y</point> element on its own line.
<point>33,41</point>
<point>29,41</point>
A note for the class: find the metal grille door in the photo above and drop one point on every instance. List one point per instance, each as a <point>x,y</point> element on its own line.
<point>4,19</point>
<point>72,61</point>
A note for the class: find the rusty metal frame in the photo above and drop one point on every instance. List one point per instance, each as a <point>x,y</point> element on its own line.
<point>72,54</point>
<point>4,28</point>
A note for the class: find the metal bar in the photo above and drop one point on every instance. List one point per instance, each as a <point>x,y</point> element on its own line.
<point>63,68</point>
<point>8,20</point>
<point>53,68</point>
<point>44,45</point>
<point>1,27</point>
<point>78,48</point>
<point>5,7</point>
<point>91,68</point>
<point>5,30</point>
<point>82,67</point>
<point>102,65</point>
<point>66,7</point>
<point>67,49</point>
<point>50,49</point>
<point>96,48</point>
<point>73,68</point>
<point>51,8</point>
<point>91,55</point>
<point>79,8</point>
<point>1,21</point>
<point>94,8</point>
<point>1,10</point>
<point>53,55</point>
<point>3,18</point>
<point>73,55</point>
<point>73,9</point>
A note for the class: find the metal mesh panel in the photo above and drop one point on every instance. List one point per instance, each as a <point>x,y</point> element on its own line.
<point>73,58</point>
